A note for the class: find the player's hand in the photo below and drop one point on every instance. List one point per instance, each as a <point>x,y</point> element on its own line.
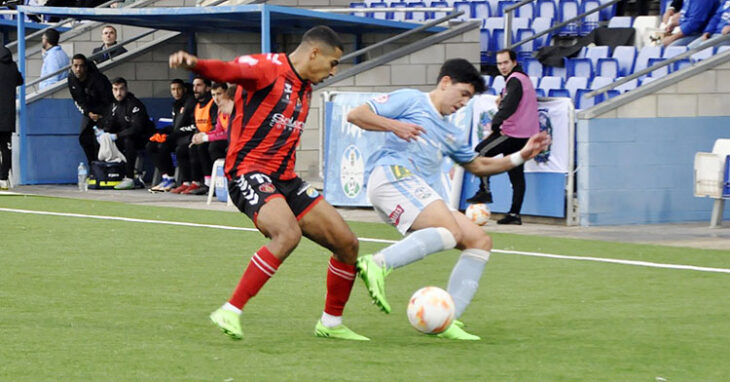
<point>94,117</point>
<point>725,30</point>
<point>406,131</point>
<point>535,145</point>
<point>182,60</point>
<point>198,138</point>
<point>498,100</point>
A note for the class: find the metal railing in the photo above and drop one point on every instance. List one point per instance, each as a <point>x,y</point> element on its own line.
<point>508,22</point>
<point>709,44</point>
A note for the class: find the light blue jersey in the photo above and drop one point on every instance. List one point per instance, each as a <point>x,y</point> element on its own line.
<point>423,156</point>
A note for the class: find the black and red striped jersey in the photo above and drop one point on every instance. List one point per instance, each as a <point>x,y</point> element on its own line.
<point>264,136</point>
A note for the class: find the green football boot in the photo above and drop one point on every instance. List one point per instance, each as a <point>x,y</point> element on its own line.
<point>229,322</point>
<point>455,332</point>
<point>374,277</point>
<point>340,332</point>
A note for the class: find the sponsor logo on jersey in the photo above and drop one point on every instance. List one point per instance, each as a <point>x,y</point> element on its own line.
<point>396,214</point>
<point>280,121</point>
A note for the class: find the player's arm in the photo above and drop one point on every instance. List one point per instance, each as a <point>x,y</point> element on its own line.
<point>244,70</point>
<point>482,166</point>
<point>365,118</point>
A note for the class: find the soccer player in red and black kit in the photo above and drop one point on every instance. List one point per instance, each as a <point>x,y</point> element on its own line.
<point>260,170</point>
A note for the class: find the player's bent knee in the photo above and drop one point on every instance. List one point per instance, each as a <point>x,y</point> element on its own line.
<point>480,240</point>
<point>448,239</point>
<point>349,247</point>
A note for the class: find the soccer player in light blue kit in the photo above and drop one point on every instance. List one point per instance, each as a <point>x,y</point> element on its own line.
<point>405,188</point>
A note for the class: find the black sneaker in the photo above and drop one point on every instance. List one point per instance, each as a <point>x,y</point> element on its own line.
<point>481,197</point>
<point>139,183</point>
<point>510,219</point>
<point>202,190</point>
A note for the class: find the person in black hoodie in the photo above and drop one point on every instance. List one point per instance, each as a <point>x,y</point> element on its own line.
<point>10,78</point>
<point>92,94</point>
<point>130,127</point>
<point>163,143</point>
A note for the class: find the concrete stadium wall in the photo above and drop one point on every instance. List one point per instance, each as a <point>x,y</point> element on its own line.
<point>635,163</point>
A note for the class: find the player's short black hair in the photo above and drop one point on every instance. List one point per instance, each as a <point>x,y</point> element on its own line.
<point>205,80</point>
<point>462,71</point>
<point>512,54</point>
<point>52,36</point>
<point>324,34</point>
<point>219,85</point>
<point>79,56</point>
<point>119,80</point>
<point>178,81</point>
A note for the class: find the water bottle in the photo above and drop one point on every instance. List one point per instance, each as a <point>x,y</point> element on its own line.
<point>83,175</point>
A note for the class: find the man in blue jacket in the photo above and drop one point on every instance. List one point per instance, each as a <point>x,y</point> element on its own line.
<point>718,26</point>
<point>692,21</point>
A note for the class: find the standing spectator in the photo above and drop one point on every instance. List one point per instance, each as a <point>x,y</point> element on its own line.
<point>109,39</point>
<point>188,159</point>
<point>692,21</point>
<point>92,94</point>
<point>217,139</point>
<point>718,26</point>
<point>515,122</point>
<point>162,144</point>
<point>54,58</point>
<point>10,78</point>
<point>130,127</point>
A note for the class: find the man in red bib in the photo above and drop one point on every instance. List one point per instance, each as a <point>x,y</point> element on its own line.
<point>260,160</point>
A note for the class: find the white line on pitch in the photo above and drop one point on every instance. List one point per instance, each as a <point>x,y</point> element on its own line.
<point>521,253</point>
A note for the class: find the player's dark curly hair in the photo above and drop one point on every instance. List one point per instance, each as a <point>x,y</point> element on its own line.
<point>324,34</point>
<point>462,71</point>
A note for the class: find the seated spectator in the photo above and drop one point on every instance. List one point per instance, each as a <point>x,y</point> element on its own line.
<point>192,170</point>
<point>692,21</point>
<point>109,39</point>
<point>130,128</point>
<point>54,58</point>
<point>673,9</point>
<point>217,139</point>
<point>718,26</point>
<point>162,144</point>
<point>92,94</point>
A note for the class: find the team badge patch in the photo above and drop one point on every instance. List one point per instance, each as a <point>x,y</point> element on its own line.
<point>267,188</point>
<point>381,98</point>
<point>312,193</point>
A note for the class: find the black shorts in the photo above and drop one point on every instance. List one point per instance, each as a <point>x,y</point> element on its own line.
<point>250,191</point>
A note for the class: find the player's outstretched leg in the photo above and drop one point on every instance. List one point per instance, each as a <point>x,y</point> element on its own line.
<point>416,246</point>
<point>455,332</point>
<point>229,322</point>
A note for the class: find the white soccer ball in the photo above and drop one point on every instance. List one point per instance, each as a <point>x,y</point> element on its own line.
<point>478,213</point>
<point>431,310</point>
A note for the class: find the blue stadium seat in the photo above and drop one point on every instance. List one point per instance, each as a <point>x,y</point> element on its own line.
<point>398,16</point>
<point>608,12</point>
<point>583,102</point>
<point>487,80</point>
<point>631,85</point>
<point>497,41</point>
<point>575,83</point>
<point>439,4</point>
<point>540,24</point>
<point>491,91</point>
<point>539,92</point>
<point>611,93</point>
<point>463,6</point>
<point>380,15</point>
<point>519,23</point>
<point>658,73</point>
<point>358,6</point>
<point>642,59</point>
<point>535,81</point>
<point>525,50</point>
<point>722,49</point>
<point>417,16</point>
<point>568,9</point>
<point>625,55</point>
<point>608,67</point>
<point>480,10</point>
<point>559,93</point>
<point>493,6</point>
<point>484,39</point>
<point>646,80</point>
<point>599,82</point>
<point>532,67</point>
<point>595,52</point>
<point>672,51</point>
<point>681,64</point>
<point>589,22</point>
<point>504,4</point>
<point>498,84</point>
<point>620,22</point>
<point>550,82</point>
<point>526,11</point>
<point>548,9</point>
<point>702,55</point>
<point>580,67</point>
<point>493,23</point>
<point>557,71</point>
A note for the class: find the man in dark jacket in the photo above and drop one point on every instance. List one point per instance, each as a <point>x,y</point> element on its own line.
<point>9,79</point>
<point>109,38</point>
<point>130,127</point>
<point>163,144</point>
<point>92,94</point>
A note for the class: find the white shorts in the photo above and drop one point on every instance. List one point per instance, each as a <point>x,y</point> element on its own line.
<point>398,195</point>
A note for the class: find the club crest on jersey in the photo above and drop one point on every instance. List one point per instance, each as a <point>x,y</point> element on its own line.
<point>312,193</point>
<point>267,188</point>
<point>381,98</point>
